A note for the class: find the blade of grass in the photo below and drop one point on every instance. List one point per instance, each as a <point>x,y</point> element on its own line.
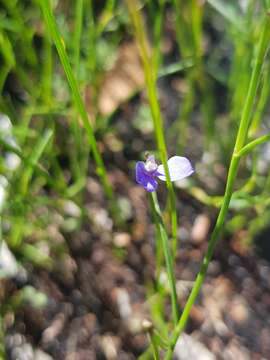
<point>153,341</point>
<point>58,41</point>
<point>26,33</point>
<point>48,109</point>
<point>106,16</point>
<point>2,339</point>
<point>176,67</point>
<point>77,153</point>
<point>77,34</point>
<point>17,229</point>
<point>47,72</point>
<point>186,50</point>
<point>229,12</point>
<point>15,150</point>
<point>156,17</point>
<point>33,160</point>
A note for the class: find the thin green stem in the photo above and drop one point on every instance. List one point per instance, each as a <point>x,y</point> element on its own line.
<point>150,79</point>
<point>77,35</point>
<point>77,152</point>
<point>233,168</point>
<point>267,4</point>
<point>2,339</point>
<point>106,16</point>
<point>59,43</point>
<point>1,235</point>
<point>167,254</point>
<point>46,80</point>
<point>183,35</point>
<point>250,146</point>
<point>202,273</point>
<point>153,345</point>
<point>262,103</point>
<point>38,150</point>
<point>163,343</point>
<point>158,244</point>
<point>253,85</point>
<point>157,18</point>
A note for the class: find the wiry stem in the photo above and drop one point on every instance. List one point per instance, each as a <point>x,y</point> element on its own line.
<point>167,253</point>
<point>150,79</point>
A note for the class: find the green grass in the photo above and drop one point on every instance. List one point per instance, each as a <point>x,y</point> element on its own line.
<point>54,62</point>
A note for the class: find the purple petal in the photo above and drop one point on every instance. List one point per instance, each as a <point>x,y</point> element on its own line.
<point>179,168</point>
<point>151,184</point>
<point>144,179</point>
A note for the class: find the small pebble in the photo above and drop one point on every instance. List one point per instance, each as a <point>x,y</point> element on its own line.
<point>200,228</point>
<point>122,239</point>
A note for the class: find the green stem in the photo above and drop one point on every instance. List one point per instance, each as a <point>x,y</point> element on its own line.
<point>250,146</point>
<point>158,244</point>
<point>262,103</point>
<point>77,35</point>
<point>154,345</point>
<point>203,269</point>
<point>2,339</point>
<point>28,161</point>
<point>33,159</point>
<point>150,79</point>
<point>77,152</point>
<point>164,344</point>
<point>233,168</point>
<point>158,18</point>
<point>167,254</point>
<point>253,85</point>
<point>267,4</point>
<point>59,43</point>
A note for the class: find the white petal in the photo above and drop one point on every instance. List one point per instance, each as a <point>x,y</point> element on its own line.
<point>179,168</point>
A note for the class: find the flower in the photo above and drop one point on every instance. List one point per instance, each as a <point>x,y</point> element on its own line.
<point>146,172</point>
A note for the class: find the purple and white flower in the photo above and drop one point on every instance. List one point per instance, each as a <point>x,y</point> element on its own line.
<point>147,172</point>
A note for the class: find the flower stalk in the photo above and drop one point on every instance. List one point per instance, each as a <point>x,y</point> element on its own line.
<point>167,254</point>
<point>150,79</point>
